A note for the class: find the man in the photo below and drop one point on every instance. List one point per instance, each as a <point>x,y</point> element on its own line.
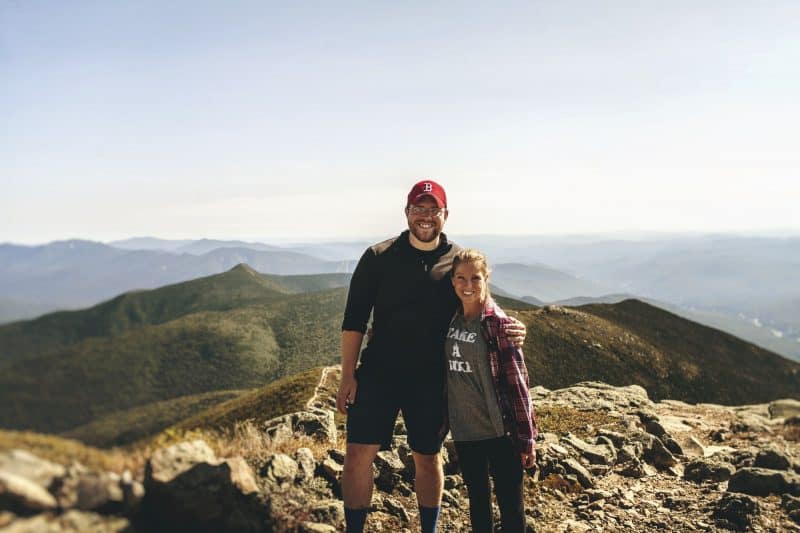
<point>404,283</point>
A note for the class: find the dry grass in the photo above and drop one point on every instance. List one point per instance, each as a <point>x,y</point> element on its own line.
<point>66,451</point>
<point>560,420</point>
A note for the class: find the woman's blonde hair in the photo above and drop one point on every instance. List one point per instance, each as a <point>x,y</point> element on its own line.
<point>477,258</point>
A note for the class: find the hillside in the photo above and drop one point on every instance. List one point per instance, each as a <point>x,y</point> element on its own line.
<point>632,342</point>
<point>231,331</point>
<point>240,286</point>
<point>242,330</point>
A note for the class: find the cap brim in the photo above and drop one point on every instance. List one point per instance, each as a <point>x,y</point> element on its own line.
<point>439,202</point>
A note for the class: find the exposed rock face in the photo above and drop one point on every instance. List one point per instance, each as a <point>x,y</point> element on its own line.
<point>700,470</point>
<point>188,488</point>
<point>608,459</point>
<point>763,482</point>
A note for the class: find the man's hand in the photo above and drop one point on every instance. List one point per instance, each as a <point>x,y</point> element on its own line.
<point>347,393</point>
<point>528,459</point>
<point>516,332</point>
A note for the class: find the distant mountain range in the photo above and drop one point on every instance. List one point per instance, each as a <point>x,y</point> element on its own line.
<point>747,286</point>
<point>74,274</point>
<point>206,340</point>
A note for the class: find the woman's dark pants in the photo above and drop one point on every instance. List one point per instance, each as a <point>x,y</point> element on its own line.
<point>497,457</point>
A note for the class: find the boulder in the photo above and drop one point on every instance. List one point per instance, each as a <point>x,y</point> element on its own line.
<point>92,491</point>
<point>784,408</point>
<point>327,512</point>
<point>389,468</point>
<point>599,454</point>
<point>167,463</point>
<point>699,470</point>
<point>773,459</point>
<point>24,464</point>
<point>70,522</point>
<point>280,469</point>
<point>658,455</point>
<point>737,510</point>
<point>305,465</point>
<point>23,496</point>
<point>187,488</point>
<point>763,482</point>
<point>317,424</point>
<point>573,467</point>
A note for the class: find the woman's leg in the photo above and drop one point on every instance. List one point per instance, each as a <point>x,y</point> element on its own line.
<point>473,458</point>
<point>506,468</point>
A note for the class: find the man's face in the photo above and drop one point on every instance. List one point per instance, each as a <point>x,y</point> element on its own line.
<point>425,227</point>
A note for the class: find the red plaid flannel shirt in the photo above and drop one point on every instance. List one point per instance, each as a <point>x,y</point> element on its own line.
<point>510,378</point>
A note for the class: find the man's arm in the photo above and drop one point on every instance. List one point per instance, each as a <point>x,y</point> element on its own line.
<point>515,331</point>
<point>351,344</point>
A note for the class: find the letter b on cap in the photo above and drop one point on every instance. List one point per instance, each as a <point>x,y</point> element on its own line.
<point>427,187</point>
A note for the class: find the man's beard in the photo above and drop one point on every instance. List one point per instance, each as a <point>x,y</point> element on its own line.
<point>425,235</point>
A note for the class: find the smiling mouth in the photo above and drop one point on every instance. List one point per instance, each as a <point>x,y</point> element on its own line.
<point>425,225</point>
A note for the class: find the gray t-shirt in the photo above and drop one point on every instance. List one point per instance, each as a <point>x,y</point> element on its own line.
<point>472,404</point>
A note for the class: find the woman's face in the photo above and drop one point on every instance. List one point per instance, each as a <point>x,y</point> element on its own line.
<point>470,284</point>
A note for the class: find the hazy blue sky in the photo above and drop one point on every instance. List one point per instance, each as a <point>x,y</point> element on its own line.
<point>260,119</point>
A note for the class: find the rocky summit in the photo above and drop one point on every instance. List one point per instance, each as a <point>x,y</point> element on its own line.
<point>608,459</point>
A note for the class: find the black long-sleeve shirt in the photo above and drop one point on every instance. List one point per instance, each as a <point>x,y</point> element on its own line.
<point>411,298</point>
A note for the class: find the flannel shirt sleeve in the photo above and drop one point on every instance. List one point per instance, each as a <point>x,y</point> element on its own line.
<point>515,377</point>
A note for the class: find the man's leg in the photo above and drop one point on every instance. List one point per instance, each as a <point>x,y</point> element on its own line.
<point>357,484</point>
<point>429,480</point>
<point>357,481</point>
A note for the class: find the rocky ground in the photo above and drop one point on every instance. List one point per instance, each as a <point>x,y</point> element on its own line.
<point>609,459</point>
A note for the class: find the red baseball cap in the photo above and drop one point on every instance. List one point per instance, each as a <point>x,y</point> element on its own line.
<point>428,188</point>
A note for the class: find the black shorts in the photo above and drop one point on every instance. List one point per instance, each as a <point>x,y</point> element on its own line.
<point>371,419</point>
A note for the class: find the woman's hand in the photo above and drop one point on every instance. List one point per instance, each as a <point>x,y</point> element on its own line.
<point>528,459</point>
<point>515,331</point>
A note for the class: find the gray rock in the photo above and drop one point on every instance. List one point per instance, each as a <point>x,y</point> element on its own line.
<point>763,482</point>
<point>70,522</point>
<point>305,465</point>
<point>633,468</point>
<point>317,424</point>
<point>327,511</point>
<point>699,470</point>
<point>772,459</point>
<point>618,439</point>
<point>658,455</point>
<point>336,455</point>
<point>389,468</point>
<point>313,527</point>
<point>573,467</point>
<point>784,408</point>
<point>208,496</point>
<point>394,508</point>
<point>332,471</point>
<point>280,469</point>
<point>599,454</point>
<point>167,463</point>
<point>23,496</point>
<point>790,503</point>
<point>737,510</point>
<point>24,464</point>
<point>103,492</point>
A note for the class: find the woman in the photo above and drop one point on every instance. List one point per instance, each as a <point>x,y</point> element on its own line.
<point>489,411</point>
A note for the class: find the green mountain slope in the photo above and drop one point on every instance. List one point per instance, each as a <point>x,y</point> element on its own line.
<point>231,331</point>
<point>238,287</point>
<point>634,342</point>
<point>130,425</point>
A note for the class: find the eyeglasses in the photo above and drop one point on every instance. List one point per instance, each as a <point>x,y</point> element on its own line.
<point>424,211</point>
